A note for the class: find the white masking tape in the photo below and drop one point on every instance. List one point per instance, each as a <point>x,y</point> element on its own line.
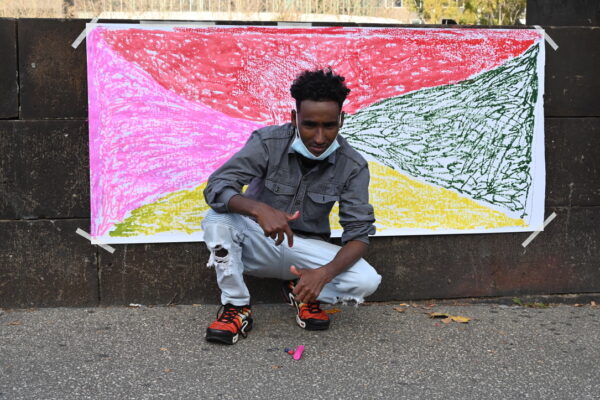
<point>534,234</point>
<point>86,235</point>
<point>551,42</point>
<point>82,35</point>
<point>295,24</point>
<point>197,23</point>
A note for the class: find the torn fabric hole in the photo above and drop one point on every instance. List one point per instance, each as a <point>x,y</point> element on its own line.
<point>346,299</point>
<point>224,263</point>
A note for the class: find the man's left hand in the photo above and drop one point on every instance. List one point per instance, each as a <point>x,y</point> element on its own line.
<point>310,284</point>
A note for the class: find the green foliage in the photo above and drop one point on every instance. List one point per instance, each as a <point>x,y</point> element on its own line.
<point>468,12</point>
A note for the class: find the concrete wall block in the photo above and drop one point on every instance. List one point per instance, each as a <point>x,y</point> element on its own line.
<point>572,79</point>
<point>572,163</point>
<point>44,169</point>
<point>168,273</point>
<point>52,74</point>
<point>155,274</point>
<point>9,101</point>
<point>562,259</point>
<point>563,12</point>
<point>46,264</point>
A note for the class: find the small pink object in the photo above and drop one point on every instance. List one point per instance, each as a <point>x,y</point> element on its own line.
<point>298,353</point>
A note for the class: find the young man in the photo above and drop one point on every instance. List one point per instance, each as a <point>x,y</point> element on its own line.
<point>279,228</point>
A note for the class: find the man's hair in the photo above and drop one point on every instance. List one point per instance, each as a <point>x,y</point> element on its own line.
<point>319,85</point>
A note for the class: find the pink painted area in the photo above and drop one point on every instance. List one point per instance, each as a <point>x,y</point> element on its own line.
<point>244,72</point>
<point>146,140</point>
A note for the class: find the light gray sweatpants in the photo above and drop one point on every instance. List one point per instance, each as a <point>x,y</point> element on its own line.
<point>250,252</point>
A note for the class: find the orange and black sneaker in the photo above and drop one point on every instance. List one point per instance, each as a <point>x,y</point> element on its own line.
<point>309,316</point>
<point>230,323</point>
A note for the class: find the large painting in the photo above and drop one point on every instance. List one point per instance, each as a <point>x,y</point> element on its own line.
<point>450,120</point>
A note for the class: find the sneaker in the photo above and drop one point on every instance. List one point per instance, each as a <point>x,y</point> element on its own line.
<point>309,316</point>
<point>230,323</point>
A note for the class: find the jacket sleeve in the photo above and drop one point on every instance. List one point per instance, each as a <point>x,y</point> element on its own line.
<point>356,214</point>
<point>229,179</point>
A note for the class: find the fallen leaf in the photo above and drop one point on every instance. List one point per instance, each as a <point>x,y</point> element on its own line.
<point>593,304</point>
<point>332,311</point>
<point>438,315</point>
<point>403,305</point>
<point>446,320</point>
<point>164,349</point>
<point>536,305</point>
<point>577,305</point>
<point>400,309</point>
<point>276,366</point>
<point>517,301</point>
<point>14,323</point>
<point>134,305</point>
<point>168,370</point>
<point>461,319</point>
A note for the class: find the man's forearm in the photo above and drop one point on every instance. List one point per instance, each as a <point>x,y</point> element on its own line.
<point>243,205</point>
<point>350,253</point>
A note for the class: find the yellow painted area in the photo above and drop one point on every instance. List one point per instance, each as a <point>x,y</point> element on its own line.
<point>403,202</point>
<point>399,201</point>
<point>181,211</point>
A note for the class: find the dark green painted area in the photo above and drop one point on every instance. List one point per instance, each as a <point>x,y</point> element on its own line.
<point>474,137</point>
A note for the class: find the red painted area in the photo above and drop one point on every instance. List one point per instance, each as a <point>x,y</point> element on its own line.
<point>245,72</point>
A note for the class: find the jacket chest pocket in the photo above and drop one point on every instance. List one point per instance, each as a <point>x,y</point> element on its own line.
<point>325,193</point>
<point>323,198</point>
<point>278,195</point>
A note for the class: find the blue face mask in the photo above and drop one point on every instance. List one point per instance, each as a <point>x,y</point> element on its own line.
<point>299,147</point>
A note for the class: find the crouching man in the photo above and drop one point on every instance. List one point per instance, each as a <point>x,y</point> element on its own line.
<point>279,228</point>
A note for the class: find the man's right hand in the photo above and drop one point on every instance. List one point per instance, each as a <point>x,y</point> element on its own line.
<point>273,222</point>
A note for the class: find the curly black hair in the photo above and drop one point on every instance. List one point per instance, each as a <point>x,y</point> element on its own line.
<point>319,85</point>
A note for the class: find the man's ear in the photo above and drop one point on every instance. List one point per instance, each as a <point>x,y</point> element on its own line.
<point>342,115</point>
<point>294,118</point>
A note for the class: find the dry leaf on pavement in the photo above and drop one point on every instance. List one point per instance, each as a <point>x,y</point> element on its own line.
<point>461,319</point>
<point>438,315</point>
<point>332,311</point>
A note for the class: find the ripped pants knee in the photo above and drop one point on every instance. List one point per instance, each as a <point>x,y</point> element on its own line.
<point>223,242</point>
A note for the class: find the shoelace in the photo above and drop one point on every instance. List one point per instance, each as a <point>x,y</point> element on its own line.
<point>229,313</point>
<point>313,308</point>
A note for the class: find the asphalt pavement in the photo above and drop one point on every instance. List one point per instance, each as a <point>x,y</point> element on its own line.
<point>377,350</point>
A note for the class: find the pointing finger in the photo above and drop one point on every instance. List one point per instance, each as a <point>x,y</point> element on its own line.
<point>290,236</point>
<point>294,216</point>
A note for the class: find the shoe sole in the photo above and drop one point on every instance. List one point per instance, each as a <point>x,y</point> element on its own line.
<point>310,327</point>
<point>226,337</point>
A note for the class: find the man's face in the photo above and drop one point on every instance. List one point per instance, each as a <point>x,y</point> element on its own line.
<point>318,123</point>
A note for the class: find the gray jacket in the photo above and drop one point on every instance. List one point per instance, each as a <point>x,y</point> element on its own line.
<point>272,170</point>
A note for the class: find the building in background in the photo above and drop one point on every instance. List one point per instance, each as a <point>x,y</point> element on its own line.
<point>482,12</point>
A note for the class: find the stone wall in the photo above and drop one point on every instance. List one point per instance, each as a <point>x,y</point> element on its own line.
<point>44,197</point>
